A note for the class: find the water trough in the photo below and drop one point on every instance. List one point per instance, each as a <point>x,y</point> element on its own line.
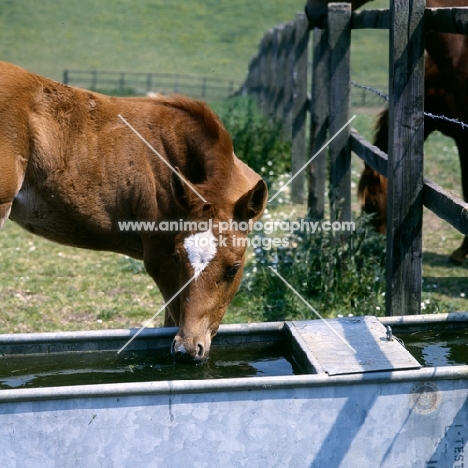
<point>339,393</point>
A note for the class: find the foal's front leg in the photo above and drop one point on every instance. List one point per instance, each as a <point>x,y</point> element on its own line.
<point>12,170</point>
<point>161,266</point>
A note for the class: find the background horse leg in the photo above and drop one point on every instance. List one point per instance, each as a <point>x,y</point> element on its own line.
<point>460,254</point>
<point>372,188</point>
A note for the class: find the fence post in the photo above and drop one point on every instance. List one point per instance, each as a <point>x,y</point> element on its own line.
<point>318,124</point>
<point>261,76</point>
<point>204,87</point>
<point>251,83</point>
<point>339,39</point>
<point>279,72</point>
<point>287,52</point>
<point>255,84</point>
<point>405,158</point>
<point>94,80</point>
<point>65,76</point>
<point>122,82</point>
<point>268,72</point>
<point>276,72</point>
<point>299,106</point>
<point>148,82</point>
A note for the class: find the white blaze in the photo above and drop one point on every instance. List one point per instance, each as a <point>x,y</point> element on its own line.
<point>201,249</point>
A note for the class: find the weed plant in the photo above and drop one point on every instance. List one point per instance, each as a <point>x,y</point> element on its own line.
<point>258,141</point>
<point>337,275</point>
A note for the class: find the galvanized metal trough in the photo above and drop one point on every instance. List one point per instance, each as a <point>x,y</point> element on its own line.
<point>352,396</point>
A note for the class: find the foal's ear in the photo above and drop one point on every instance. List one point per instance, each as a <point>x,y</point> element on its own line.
<point>252,203</point>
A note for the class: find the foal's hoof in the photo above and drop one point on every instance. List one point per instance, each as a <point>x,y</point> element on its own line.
<point>458,256</point>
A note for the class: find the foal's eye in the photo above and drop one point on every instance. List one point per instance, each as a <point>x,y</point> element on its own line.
<point>232,271</point>
<point>176,258</point>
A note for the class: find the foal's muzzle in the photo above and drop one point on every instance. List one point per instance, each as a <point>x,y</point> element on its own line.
<point>182,352</point>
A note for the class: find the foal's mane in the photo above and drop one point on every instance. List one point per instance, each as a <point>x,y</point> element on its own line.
<point>199,111</point>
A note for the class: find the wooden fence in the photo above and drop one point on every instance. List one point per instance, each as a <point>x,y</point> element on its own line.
<point>202,87</point>
<point>329,108</point>
<point>277,80</point>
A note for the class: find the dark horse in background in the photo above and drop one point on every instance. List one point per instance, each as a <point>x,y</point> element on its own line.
<point>446,93</point>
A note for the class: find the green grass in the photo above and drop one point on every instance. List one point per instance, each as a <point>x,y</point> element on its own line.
<point>446,284</point>
<point>207,37</point>
<point>47,287</point>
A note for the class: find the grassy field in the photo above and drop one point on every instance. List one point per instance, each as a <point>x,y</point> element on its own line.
<point>213,38</point>
<point>207,37</point>
<point>45,286</point>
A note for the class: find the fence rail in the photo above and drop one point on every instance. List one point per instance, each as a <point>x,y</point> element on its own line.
<point>329,106</point>
<point>202,87</point>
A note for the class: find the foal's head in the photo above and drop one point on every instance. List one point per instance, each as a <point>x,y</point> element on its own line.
<point>212,259</point>
<point>214,191</point>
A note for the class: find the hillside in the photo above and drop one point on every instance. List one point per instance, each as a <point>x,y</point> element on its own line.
<point>206,37</point>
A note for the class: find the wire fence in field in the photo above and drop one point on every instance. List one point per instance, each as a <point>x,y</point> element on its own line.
<point>133,83</point>
<point>367,96</point>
